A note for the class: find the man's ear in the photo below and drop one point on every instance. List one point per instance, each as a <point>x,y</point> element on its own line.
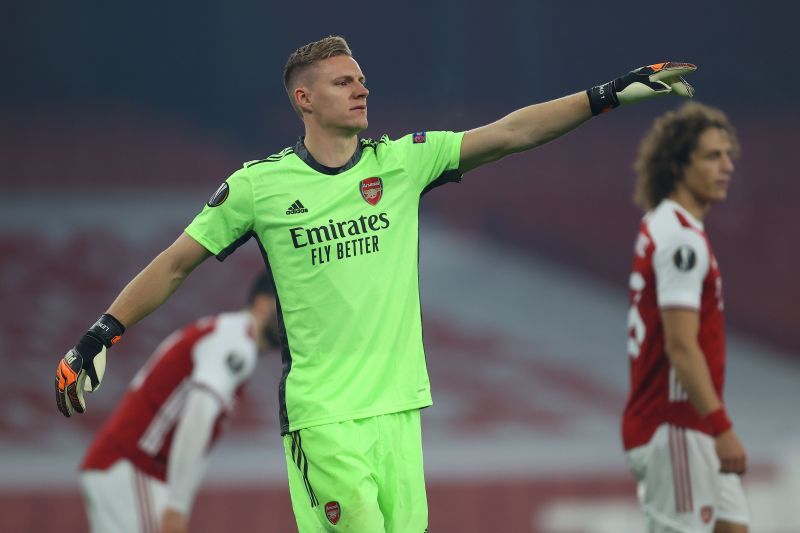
<point>302,99</point>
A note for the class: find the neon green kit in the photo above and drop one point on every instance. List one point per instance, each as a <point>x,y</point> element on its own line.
<point>342,245</point>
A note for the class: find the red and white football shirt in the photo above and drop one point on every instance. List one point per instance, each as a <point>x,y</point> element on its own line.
<point>673,266</point>
<point>217,353</point>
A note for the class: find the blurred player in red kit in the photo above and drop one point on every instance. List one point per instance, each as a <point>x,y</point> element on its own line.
<point>680,443</point>
<point>143,469</point>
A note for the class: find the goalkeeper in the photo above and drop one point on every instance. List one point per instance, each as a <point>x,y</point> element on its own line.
<point>143,469</point>
<point>336,219</point>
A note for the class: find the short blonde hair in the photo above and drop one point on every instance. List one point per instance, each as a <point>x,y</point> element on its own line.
<point>307,55</point>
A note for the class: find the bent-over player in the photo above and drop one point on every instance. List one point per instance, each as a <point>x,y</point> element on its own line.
<point>143,468</point>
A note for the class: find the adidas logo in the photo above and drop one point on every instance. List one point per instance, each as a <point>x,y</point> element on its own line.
<point>296,208</point>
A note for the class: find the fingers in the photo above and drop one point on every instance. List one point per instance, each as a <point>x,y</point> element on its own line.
<point>734,465</point>
<point>669,68</point>
<point>68,396</point>
<point>64,377</point>
<point>61,400</point>
<point>673,75</point>
<point>673,66</point>
<point>75,397</point>
<point>682,88</point>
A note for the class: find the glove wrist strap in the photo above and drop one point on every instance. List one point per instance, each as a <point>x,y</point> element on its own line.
<point>603,98</point>
<point>107,329</point>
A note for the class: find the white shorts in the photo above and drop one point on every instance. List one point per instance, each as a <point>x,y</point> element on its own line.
<point>680,486</point>
<point>122,499</point>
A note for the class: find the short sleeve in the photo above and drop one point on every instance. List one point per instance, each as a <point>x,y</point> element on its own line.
<point>227,220</point>
<point>681,264</point>
<point>223,360</point>
<point>431,158</point>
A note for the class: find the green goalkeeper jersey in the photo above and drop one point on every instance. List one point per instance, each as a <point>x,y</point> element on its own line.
<point>342,245</point>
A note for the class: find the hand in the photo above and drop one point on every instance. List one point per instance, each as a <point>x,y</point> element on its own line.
<point>86,360</point>
<point>730,451</point>
<point>642,84</point>
<point>173,521</point>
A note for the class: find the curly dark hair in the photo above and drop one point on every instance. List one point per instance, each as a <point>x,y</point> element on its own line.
<point>666,148</point>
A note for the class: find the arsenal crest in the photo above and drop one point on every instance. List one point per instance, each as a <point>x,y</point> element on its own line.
<point>371,190</point>
<point>707,513</point>
<point>333,512</point>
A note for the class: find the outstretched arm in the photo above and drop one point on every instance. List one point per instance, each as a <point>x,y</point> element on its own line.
<point>82,368</point>
<point>534,125</point>
<point>153,285</point>
<point>523,129</point>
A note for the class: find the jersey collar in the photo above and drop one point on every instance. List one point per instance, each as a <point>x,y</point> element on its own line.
<point>685,212</point>
<point>301,151</point>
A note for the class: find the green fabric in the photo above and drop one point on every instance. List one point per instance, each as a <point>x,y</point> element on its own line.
<point>346,272</point>
<point>365,475</point>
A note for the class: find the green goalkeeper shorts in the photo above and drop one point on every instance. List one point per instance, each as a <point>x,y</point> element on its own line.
<point>364,475</point>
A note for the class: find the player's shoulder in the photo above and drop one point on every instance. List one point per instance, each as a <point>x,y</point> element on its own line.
<point>423,138</point>
<point>375,144</point>
<point>193,331</point>
<point>376,147</point>
<point>270,162</point>
<point>669,223</point>
<point>240,352</point>
<point>230,332</point>
<point>410,145</point>
<point>203,323</point>
<point>227,355</point>
<point>233,323</point>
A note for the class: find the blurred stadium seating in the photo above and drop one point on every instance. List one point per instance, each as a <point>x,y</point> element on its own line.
<point>526,364</point>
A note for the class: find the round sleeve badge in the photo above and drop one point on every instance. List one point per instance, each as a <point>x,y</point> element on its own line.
<point>219,196</point>
<point>235,363</point>
<point>684,258</point>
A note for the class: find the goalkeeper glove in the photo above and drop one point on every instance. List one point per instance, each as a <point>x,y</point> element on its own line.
<point>86,360</point>
<point>641,84</point>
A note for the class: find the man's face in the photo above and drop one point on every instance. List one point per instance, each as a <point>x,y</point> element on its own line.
<point>270,334</point>
<point>708,173</point>
<point>336,94</point>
